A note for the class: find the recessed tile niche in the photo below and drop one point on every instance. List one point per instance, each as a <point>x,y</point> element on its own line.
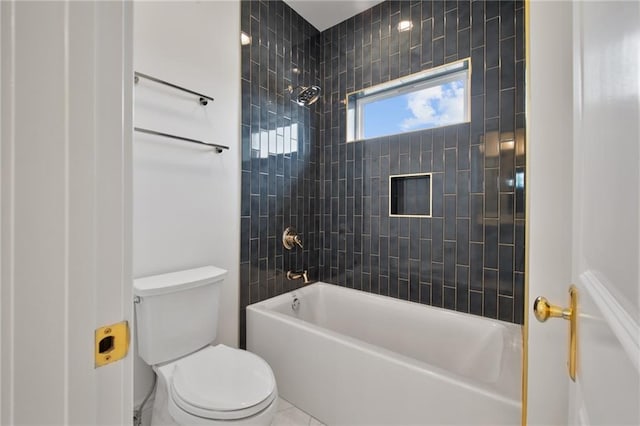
<point>410,195</point>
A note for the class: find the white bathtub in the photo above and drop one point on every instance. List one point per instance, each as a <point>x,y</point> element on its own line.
<point>348,357</point>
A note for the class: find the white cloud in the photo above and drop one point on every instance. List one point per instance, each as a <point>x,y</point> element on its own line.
<point>435,106</point>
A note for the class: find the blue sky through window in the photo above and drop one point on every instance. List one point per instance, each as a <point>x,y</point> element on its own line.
<point>431,107</point>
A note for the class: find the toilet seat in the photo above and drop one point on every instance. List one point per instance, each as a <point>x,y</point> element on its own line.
<point>222,383</point>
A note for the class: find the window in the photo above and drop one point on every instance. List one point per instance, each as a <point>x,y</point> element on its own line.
<point>432,98</point>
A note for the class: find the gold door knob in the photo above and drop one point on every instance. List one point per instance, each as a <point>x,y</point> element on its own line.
<point>543,310</point>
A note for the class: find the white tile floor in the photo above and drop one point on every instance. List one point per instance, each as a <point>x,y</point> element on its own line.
<point>290,415</point>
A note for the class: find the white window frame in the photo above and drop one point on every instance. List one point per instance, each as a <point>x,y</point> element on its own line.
<point>356,101</point>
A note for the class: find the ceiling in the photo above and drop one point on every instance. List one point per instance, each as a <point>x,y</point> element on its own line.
<point>324,14</point>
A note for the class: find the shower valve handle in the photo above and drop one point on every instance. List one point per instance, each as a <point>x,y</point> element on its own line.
<point>290,238</point>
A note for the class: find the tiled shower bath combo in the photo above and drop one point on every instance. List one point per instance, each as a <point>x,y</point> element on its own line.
<point>298,169</point>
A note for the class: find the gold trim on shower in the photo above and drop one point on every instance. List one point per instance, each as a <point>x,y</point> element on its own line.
<point>527,226</point>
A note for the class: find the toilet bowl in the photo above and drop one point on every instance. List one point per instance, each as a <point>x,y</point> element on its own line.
<point>214,386</point>
<point>198,384</point>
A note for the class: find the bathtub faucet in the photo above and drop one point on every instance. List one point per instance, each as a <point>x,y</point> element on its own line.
<point>297,275</point>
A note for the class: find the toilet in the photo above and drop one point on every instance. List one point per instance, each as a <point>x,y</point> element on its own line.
<point>198,384</point>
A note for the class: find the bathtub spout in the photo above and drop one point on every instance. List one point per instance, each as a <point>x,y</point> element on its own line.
<point>297,275</point>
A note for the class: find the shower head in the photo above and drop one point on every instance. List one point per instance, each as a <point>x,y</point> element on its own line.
<point>306,95</point>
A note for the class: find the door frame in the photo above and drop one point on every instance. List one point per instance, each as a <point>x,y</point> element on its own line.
<point>65,209</point>
<point>548,183</point>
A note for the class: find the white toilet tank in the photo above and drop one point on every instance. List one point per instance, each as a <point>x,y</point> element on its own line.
<point>177,313</point>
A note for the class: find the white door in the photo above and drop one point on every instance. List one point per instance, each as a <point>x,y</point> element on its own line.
<point>583,198</point>
<point>66,84</point>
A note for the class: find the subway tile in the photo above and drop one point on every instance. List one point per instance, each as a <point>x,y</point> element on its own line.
<point>413,291</point>
<point>462,241</point>
<point>477,213</point>
<point>463,145</point>
<point>451,32</point>
<point>425,260</point>
<point>490,304</point>
<point>477,169</point>
<point>518,299</point>
<point>451,137</point>
<point>491,243</point>
<point>505,270</point>
<point>437,194</point>
<point>475,303</point>
<point>416,19</point>
<point>507,111</point>
<point>450,263</point>
<point>491,193</point>
<point>507,18</point>
<point>492,92</point>
<point>507,165</point>
<point>492,9</point>
<point>438,150</point>
<point>450,217</point>
<point>519,246</point>
<point>505,308</point>
<point>438,19</point>
<point>415,59</point>
<point>464,14</point>
<point>520,35</point>
<point>450,167</point>
<point>492,44</point>
<point>427,31</point>
<point>476,266</point>
<point>449,300</point>
<point>414,245</point>
<point>405,53</point>
<point>436,283</point>
<point>477,23</point>
<point>462,194</point>
<point>425,228</point>
<point>450,5</point>
<point>520,92</point>
<point>437,239</point>
<point>477,129</point>
<point>507,63</point>
<point>506,218</point>
<point>403,289</point>
<point>520,140</point>
<point>427,11</point>
<point>425,291</point>
<point>438,51</point>
<point>462,288</point>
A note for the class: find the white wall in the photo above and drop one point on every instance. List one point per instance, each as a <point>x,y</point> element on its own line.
<point>186,197</point>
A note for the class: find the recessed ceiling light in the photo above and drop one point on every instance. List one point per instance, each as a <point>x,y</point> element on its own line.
<point>245,39</point>
<point>404,26</point>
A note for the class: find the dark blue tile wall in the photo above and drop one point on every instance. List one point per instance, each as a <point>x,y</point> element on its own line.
<point>280,151</point>
<point>297,168</point>
<point>470,255</point>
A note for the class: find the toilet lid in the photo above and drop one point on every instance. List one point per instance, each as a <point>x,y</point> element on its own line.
<point>219,382</point>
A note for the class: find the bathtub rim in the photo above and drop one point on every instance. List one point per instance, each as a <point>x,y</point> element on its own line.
<point>439,373</point>
<point>513,327</point>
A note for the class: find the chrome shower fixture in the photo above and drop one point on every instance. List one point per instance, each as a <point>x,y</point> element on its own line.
<point>304,96</point>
